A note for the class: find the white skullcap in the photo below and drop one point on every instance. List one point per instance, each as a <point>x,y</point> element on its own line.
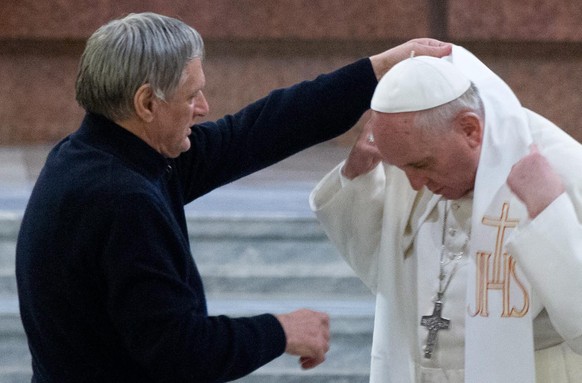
<point>419,83</point>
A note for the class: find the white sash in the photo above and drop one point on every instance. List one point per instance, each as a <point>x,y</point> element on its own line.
<point>498,329</point>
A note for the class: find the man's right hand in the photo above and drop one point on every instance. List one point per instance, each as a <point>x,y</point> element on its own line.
<point>382,62</point>
<point>307,335</point>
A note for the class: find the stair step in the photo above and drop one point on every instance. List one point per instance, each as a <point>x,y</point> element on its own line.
<point>249,255</point>
<point>312,376</point>
<point>351,322</point>
<point>253,280</point>
<point>348,316</point>
<point>264,375</point>
<point>317,285</point>
<point>10,224</point>
<point>263,251</point>
<point>259,249</point>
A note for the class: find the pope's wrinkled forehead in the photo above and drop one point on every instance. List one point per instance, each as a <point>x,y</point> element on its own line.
<point>419,83</point>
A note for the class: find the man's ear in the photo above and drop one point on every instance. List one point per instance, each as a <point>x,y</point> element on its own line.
<point>145,102</point>
<point>471,127</point>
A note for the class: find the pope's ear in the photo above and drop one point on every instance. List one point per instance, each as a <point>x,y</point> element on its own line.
<point>144,102</point>
<point>471,126</point>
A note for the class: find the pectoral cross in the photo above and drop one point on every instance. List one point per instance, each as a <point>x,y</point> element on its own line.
<point>433,323</point>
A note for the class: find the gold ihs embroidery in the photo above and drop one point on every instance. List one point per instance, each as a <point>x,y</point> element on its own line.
<point>497,271</point>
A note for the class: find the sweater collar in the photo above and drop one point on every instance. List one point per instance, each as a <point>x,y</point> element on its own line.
<point>112,138</point>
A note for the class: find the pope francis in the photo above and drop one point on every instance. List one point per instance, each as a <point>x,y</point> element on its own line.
<point>462,211</point>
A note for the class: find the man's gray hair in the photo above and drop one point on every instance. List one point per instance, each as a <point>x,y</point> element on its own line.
<point>440,118</point>
<point>124,54</point>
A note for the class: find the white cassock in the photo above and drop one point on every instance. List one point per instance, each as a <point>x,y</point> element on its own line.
<point>391,236</point>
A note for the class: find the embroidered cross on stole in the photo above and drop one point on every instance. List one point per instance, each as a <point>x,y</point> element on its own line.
<point>498,324</point>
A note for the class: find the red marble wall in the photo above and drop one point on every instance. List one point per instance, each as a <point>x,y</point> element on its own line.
<point>534,45</point>
<point>254,46</point>
<point>223,19</point>
<point>509,20</point>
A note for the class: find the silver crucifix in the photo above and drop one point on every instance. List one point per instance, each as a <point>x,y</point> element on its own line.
<point>433,323</point>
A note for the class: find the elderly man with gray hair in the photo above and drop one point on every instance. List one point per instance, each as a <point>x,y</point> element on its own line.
<point>108,288</point>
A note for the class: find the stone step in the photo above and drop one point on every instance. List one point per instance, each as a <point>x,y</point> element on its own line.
<point>318,375</point>
<point>353,316</point>
<point>347,361</point>
<point>259,376</point>
<point>302,280</point>
<point>259,249</point>
<point>9,225</point>
<point>256,280</point>
<point>220,240</point>
<point>248,255</point>
<point>262,250</point>
<point>265,375</point>
<point>290,279</point>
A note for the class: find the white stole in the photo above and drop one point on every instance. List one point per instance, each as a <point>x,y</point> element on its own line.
<point>498,327</point>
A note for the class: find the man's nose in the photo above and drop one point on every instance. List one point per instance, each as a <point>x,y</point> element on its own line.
<point>202,107</point>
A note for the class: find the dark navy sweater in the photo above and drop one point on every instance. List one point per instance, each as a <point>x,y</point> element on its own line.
<point>108,288</point>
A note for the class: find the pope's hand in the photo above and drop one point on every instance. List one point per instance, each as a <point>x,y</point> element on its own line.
<point>534,182</point>
<point>364,155</point>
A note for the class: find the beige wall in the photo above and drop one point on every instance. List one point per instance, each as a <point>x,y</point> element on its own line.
<point>254,46</point>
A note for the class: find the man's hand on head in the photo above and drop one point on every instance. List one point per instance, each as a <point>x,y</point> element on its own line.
<point>382,62</point>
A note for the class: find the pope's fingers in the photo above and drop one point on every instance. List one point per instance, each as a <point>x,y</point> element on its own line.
<point>431,42</point>
<point>534,181</point>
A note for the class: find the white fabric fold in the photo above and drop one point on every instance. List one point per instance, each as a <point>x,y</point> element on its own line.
<point>498,322</point>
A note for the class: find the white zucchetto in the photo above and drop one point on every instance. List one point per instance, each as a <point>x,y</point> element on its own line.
<point>419,83</point>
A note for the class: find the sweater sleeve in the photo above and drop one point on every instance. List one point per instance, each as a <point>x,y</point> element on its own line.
<point>281,124</point>
<point>154,304</point>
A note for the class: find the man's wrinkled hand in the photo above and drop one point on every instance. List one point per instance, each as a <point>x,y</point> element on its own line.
<point>382,62</point>
<point>307,335</point>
